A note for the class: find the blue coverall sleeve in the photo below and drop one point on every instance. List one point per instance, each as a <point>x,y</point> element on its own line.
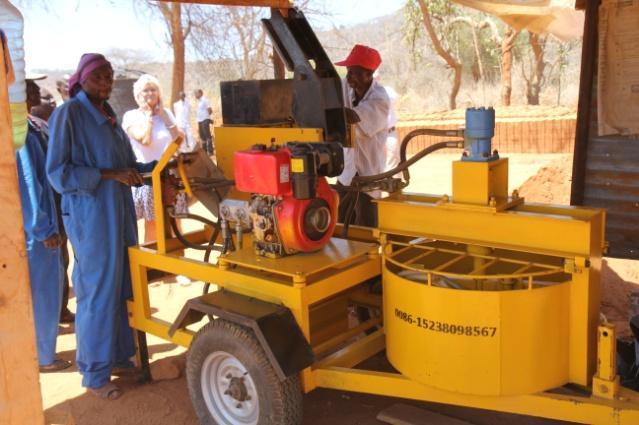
<point>39,222</point>
<point>145,167</point>
<point>66,176</point>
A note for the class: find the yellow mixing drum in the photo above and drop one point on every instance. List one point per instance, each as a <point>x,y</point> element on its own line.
<point>471,323</point>
<point>484,294</point>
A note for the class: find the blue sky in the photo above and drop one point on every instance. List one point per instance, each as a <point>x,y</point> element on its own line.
<point>56,37</point>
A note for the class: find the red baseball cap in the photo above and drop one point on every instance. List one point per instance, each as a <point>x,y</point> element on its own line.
<point>363,56</point>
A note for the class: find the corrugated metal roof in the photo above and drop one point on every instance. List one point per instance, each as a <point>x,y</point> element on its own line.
<point>612,182</point>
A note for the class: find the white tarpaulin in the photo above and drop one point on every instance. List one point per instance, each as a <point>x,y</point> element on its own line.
<point>556,17</point>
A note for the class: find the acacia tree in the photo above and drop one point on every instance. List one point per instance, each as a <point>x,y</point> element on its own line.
<point>507,46</point>
<point>533,69</point>
<point>446,26</point>
<point>236,35</point>
<point>555,72</point>
<point>445,53</point>
<point>177,18</point>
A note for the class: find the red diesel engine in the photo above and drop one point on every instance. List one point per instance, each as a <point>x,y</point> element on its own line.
<point>292,207</point>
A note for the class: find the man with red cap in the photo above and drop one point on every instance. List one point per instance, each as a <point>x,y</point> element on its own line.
<point>371,104</point>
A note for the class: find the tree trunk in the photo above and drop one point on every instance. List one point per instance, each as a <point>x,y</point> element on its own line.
<point>177,38</point>
<point>450,61</point>
<point>533,88</point>
<point>172,14</point>
<point>507,44</point>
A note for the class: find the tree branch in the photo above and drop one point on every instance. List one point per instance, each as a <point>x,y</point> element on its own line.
<point>450,60</point>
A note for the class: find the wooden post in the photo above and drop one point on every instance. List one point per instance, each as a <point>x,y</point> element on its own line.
<point>589,60</point>
<point>20,397</point>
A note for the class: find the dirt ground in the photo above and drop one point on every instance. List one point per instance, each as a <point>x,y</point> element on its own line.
<point>166,401</point>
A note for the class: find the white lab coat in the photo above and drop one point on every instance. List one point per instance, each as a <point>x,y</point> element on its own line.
<point>368,156</point>
<point>392,140</point>
<point>182,112</point>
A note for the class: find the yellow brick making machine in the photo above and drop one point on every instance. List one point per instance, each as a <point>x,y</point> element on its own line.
<point>476,299</point>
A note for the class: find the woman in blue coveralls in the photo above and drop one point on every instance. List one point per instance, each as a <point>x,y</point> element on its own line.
<point>91,163</point>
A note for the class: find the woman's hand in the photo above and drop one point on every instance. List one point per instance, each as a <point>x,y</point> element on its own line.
<point>126,176</point>
<point>158,109</point>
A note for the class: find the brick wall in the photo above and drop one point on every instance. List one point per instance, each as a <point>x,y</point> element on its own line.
<point>511,136</point>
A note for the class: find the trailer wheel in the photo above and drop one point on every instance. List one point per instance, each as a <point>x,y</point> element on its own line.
<point>231,381</point>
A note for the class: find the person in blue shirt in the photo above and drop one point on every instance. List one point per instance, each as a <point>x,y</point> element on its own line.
<point>91,163</point>
<point>43,240</point>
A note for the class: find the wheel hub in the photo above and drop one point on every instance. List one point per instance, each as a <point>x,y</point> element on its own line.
<point>229,391</point>
<point>237,389</point>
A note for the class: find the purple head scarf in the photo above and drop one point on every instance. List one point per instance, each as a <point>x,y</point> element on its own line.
<point>89,62</point>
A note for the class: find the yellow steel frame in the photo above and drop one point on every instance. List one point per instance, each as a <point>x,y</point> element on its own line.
<point>337,373</point>
<point>307,283</point>
<point>572,233</point>
<point>156,177</point>
<point>355,263</point>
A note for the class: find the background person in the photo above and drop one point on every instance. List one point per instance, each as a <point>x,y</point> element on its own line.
<point>182,110</point>
<point>42,235</point>
<point>47,103</point>
<point>151,129</point>
<point>204,121</point>
<point>63,89</point>
<point>41,105</point>
<point>91,163</point>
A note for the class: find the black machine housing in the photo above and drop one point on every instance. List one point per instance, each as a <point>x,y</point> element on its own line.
<point>312,99</point>
<point>318,160</point>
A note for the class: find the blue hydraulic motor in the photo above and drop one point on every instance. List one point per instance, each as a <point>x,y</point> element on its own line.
<point>480,129</point>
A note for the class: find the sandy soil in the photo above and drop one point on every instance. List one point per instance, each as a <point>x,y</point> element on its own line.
<point>166,402</point>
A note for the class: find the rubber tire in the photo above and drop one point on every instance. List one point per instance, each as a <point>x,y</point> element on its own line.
<point>280,402</point>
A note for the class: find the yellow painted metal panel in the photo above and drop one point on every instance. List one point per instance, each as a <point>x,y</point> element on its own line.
<point>336,253</point>
<point>585,298</point>
<point>477,342</point>
<point>532,230</point>
<point>160,223</point>
<point>582,409</point>
<point>261,286</point>
<point>356,352</point>
<point>477,182</point>
<point>338,280</point>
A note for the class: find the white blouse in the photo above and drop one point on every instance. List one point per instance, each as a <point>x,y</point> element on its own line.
<point>160,135</point>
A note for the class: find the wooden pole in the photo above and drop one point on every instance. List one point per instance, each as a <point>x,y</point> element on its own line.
<point>589,59</point>
<point>20,397</point>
